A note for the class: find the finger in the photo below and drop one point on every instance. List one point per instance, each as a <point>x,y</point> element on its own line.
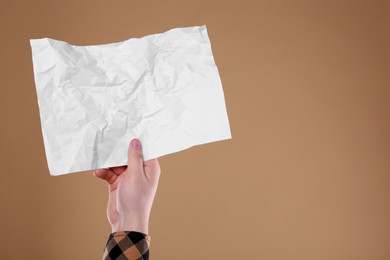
<point>118,169</point>
<point>152,170</point>
<point>105,174</point>
<point>152,163</point>
<point>135,160</point>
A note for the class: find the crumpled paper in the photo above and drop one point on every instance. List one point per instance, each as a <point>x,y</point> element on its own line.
<point>164,89</point>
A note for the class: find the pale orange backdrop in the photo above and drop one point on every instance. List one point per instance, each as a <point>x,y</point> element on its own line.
<point>306,175</point>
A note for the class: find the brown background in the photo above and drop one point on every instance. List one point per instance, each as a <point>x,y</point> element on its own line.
<point>306,175</point>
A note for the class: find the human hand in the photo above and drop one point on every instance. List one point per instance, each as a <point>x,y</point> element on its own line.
<point>132,190</point>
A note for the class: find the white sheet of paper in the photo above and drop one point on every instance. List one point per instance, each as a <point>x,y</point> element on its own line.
<point>164,89</point>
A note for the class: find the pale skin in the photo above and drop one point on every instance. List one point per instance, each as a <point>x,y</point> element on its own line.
<point>132,189</point>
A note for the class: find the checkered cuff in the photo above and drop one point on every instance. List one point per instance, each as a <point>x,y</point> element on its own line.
<point>127,245</point>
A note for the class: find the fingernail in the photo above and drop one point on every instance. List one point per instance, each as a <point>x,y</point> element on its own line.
<point>136,143</point>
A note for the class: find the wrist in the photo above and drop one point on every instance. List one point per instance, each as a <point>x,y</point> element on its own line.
<point>132,223</point>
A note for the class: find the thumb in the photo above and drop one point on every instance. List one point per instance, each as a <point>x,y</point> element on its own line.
<point>135,160</point>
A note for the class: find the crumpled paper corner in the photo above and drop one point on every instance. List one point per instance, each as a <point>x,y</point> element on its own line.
<point>164,89</point>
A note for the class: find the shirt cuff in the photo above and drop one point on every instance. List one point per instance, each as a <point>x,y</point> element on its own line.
<point>129,244</point>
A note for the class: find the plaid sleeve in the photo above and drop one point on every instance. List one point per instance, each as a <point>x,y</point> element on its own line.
<point>127,245</point>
